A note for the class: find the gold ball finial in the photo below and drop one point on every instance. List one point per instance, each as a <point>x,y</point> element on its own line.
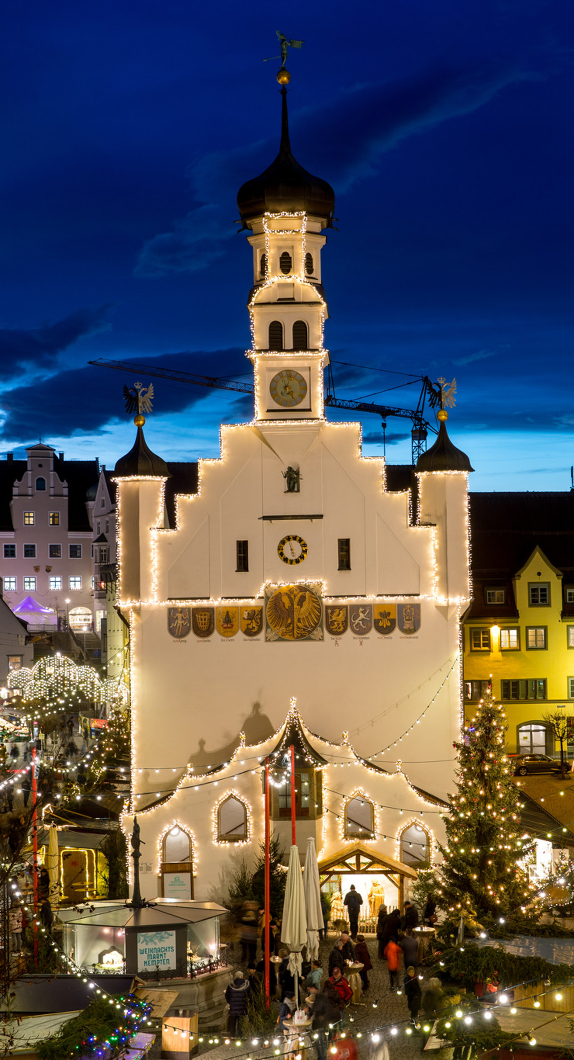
<point>442,415</point>
<point>139,420</point>
<point>283,77</point>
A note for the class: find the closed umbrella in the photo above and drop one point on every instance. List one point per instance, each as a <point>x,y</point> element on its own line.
<point>52,865</point>
<point>312,900</point>
<point>294,925</point>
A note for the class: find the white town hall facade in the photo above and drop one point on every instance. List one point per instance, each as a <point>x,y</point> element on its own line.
<point>297,601</point>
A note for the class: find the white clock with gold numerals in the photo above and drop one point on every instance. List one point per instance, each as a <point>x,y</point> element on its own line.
<point>292,549</point>
<point>288,388</point>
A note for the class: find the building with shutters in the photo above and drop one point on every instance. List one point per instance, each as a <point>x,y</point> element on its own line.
<point>297,598</point>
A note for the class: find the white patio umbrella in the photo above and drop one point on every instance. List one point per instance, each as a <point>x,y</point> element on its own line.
<point>294,925</point>
<point>312,900</point>
<point>52,865</point>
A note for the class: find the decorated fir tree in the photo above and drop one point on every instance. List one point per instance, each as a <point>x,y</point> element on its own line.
<point>480,875</point>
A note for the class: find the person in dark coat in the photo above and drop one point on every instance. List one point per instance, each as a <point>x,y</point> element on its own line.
<point>26,785</point>
<point>390,930</point>
<point>336,956</point>
<point>325,911</point>
<point>353,901</point>
<point>381,920</point>
<point>44,882</point>
<point>430,911</point>
<point>325,1011</point>
<point>14,752</point>
<point>286,980</point>
<point>411,916</point>
<point>413,993</point>
<point>348,948</point>
<point>286,1012</point>
<point>260,969</point>
<point>237,997</point>
<point>362,954</point>
<point>47,916</point>
<point>410,947</point>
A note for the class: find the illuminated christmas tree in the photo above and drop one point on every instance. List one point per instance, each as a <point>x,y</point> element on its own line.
<point>480,875</point>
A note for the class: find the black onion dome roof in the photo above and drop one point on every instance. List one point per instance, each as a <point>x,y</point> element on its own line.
<point>285,185</point>
<point>141,461</point>
<point>443,455</point>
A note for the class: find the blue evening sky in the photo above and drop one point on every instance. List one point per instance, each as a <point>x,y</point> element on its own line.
<point>445,129</point>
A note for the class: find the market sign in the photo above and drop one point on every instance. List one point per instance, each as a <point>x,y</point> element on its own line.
<point>156,949</point>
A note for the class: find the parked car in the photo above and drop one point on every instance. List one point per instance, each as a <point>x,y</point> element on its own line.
<point>536,764</point>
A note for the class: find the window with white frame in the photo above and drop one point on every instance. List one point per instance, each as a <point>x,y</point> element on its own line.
<point>571,688</point>
<point>510,639</point>
<point>569,594</point>
<point>55,582</point>
<point>75,551</point>
<point>359,818</point>
<point>570,636</point>
<point>231,820</point>
<point>536,638</point>
<point>29,552</point>
<point>9,585</point>
<point>414,845</point>
<point>30,584</point>
<point>55,551</point>
<point>75,581</point>
<point>474,690</point>
<point>9,551</point>
<point>496,596</point>
<point>54,519</point>
<point>539,594</point>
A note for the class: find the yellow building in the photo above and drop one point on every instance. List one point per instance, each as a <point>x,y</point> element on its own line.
<point>519,629</point>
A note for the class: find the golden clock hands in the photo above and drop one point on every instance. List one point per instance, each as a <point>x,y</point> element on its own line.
<point>292,549</point>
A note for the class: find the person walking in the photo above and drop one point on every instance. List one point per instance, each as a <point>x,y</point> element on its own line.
<point>390,930</point>
<point>362,954</point>
<point>344,992</point>
<point>237,997</point>
<point>393,956</point>
<point>381,919</point>
<point>413,993</point>
<point>410,948</point>
<point>325,1011</point>
<point>353,901</point>
<point>14,753</point>
<point>411,916</point>
<point>26,785</point>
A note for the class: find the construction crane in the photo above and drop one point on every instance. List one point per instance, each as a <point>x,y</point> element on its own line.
<point>420,426</point>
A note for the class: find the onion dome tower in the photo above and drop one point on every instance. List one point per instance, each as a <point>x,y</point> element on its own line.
<point>286,209</point>
<point>140,460</point>
<point>443,455</point>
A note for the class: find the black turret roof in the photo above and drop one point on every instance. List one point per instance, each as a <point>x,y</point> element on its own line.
<point>443,455</point>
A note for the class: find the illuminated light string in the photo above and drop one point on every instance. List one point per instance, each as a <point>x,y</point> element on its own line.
<point>408,695</point>
<point>422,715</point>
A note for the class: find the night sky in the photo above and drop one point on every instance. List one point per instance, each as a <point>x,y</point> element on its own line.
<point>445,129</point>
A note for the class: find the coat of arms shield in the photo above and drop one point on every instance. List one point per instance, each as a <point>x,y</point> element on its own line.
<point>361,619</point>
<point>251,621</point>
<point>409,618</point>
<point>227,621</point>
<point>178,621</point>
<point>202,621</point>
<point>337,619</point>
<point>385,618</point>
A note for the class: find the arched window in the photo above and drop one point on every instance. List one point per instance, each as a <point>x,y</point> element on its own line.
<point>40,483</point>
<point>414,845</point>
<point>309,264</point>
<point>276,335</point>
<point>532,738</point>
<point>176,846</point>
<point>359,818</point>
<point>300,335</point>
<point>285,262</point>
<point>80,618</point>
<point>263,266</point>
<point>231,820</point>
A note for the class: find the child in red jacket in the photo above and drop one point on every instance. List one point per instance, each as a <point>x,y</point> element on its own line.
<point>393,955</point>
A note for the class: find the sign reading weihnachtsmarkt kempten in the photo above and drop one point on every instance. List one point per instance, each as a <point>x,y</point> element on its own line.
<point>156,949</point>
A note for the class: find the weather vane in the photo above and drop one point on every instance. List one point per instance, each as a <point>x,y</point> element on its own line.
<point>447,393</point>
<point>138,399</point>
<point>284,76</point>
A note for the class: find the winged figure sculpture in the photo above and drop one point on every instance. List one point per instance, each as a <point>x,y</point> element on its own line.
<point>138,398</point>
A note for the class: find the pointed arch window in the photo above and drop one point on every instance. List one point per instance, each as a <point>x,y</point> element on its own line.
<point>176,864</point>
<point>309,269</point>
<point>415,845</point>
<point>359,818</point>
<point>263,267</point>
<point>232,821</point>
<point>285,262</point>
<point>300,335</point>
<point>276,335</point>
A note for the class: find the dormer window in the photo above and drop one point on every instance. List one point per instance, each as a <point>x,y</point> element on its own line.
<point>309,264</point>
<point>40,483</point>
<point>285,263</point>
<point>496,596</point>
<point>263,266</point>
<point>276,335</point>
<point>300,338</point>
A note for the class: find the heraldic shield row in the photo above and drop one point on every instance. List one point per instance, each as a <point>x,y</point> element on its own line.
<point>294,613</point>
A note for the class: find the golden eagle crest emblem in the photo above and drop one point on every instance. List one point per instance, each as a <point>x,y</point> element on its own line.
<point>293,612</point>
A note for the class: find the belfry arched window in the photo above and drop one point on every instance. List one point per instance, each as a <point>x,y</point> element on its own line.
<point>300,338</point>
<point>263,266</point>
<point>176,864</point>
<point>275,335</point>
<point>415,845</point>
<point>309,264</point>
<point>40,483</point>
<point>232,820</point>
<point>285,262</point>
<point>359,818</point>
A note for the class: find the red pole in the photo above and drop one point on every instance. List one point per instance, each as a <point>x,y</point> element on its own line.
<point>267,954</point>
<point>35,846</point>
<point>293,825</point>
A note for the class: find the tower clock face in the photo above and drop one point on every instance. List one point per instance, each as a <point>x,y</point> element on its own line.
<point>292,549</point>
<point>288,388</point>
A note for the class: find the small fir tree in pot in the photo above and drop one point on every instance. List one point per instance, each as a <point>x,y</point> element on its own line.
<point>480,876</point>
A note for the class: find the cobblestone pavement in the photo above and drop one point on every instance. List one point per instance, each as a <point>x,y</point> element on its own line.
<point>391,1011</point>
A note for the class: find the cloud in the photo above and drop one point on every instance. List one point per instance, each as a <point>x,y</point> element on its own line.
<point>22,349</point>
<point>376,437</point>
<point>368,120</point>
<point>480,355</point>
<point>84,400</point>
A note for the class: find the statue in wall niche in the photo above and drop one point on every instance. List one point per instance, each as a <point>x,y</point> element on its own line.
<point>376,898</point>
<point>292,478</point>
